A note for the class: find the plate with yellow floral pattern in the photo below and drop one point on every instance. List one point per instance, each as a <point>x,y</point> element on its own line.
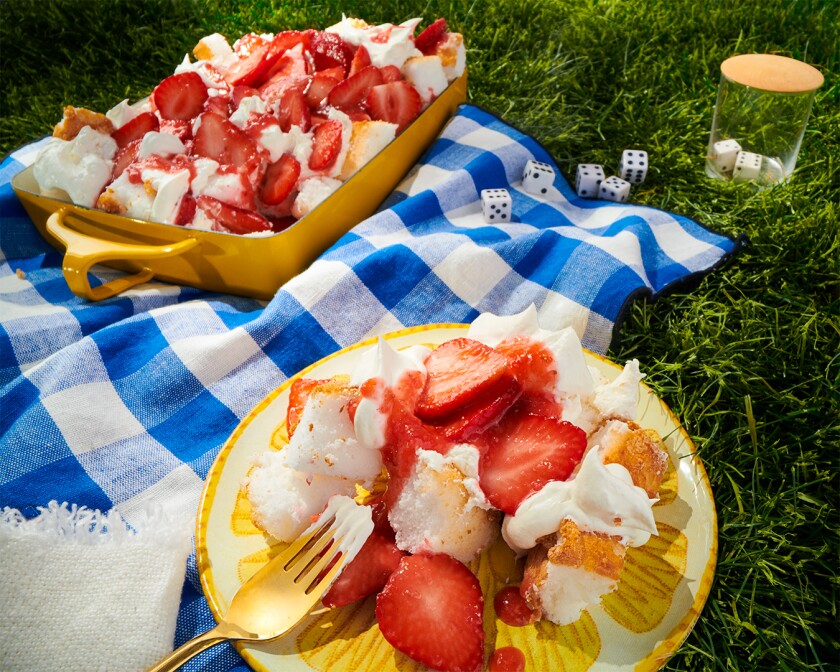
<point>660,594</point>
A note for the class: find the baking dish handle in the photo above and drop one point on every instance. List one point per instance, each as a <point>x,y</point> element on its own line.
<point>84,251</point>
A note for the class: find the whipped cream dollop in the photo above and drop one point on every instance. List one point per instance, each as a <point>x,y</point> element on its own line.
<point>386,44</point>
<point>598,498</point>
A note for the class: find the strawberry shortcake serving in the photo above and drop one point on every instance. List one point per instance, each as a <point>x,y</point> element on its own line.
<point>249,138</point>
<point>503,432</point>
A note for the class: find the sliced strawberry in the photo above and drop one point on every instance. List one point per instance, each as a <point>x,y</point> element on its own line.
<point>135,129</point>
<point>476,417</point>
<point>274,89</point>
<point>429,38</point>
<point>390,73</point>
<point>279,224</point>
<point>180,96</point>
<point>293,110</point>
<point>293,63</point>
<point>431,610</point>
<point>125,156</point>
<point>180,128</point>
<point>326,144</point>
<point>248,44</point>
<point>186,211</point>
<point>329,50</point>
<point>458,371</point>
<point>367,573</point>
<point>320,87</point>
<point>355,89</point>
<point>524,452</point>
<point>299,392</point>
<point>220,140</point>
<point>395,102</point>
<point>258,60</point>
<point>531,362</point>
<point>280,179</point>
<point>240,92</point>
<point>220,105</point>
<point>231,218</point>
<point>361,59</point>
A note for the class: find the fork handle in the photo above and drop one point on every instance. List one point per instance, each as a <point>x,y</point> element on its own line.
<point>189,649</point>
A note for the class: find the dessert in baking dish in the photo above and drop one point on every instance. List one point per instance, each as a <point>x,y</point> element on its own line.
<point>250,137</point>
<point>504,432</point>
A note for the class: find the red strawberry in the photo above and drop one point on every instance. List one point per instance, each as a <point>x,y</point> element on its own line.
<point>293,111</point>
<point>240,92</point>
<point>218,105</point>
<point>181,128</point>
<point>231,218</point>
<point>125,156</point>
<point>320,86</point>
<point>329,50</point>
<point>484,412</point>
<point>431,610</point>
<point>395,102</point>
<point>361,59</point>
<point>135,129</point>
<point>186,211</point>
<point>390,73</point>
<point>326,144</point>
<point>355,89</point>
<point>293,63</point>
<point>280,179</point>
<point>367,573</point>
<point>259,57</point>
<point>524,452</point>
<point>180,96</point>
<point>220,140</point>
<point>429,38</point>
<point>531,362</point>
<point>299,392</point>
<point>458,371</point>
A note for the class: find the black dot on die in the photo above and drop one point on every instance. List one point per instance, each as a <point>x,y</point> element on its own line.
<point>504,216</point>
<point>543,190</point>
<point>583,192</point>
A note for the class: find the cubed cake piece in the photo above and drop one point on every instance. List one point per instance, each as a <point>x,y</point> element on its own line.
<point>639,451</point>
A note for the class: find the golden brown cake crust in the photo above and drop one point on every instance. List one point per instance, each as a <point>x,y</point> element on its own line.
<point>643,455</point>
<point>76,118</point>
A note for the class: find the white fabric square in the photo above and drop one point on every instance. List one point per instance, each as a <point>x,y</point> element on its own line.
<point>470,271</point>
<point>307,290</point>
<point>79,414</point>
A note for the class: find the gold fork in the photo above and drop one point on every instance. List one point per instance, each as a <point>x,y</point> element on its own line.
<point>284,591</point>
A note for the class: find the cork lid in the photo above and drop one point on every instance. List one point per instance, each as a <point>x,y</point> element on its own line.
<point>769,72</point>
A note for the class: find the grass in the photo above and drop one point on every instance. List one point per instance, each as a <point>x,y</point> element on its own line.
<point>748,357</point>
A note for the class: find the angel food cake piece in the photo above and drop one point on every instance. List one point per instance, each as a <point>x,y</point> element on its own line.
<point>504,431</point>
<point>248,138</point>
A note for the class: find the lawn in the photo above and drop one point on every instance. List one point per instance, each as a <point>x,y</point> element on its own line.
<point>748,356</point>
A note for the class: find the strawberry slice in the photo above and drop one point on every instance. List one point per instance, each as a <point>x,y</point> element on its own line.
<point>367,573</point>
<point>431,610</point>
<point>361,59</point>
<point>240,92</point>
<point>429,38</point>
<point>390,73</point>
<point>395,102</point>
<point>220,140</point>
<point>458,371</point>
<point>524,452</point>
<point>259,57</point>
<point>326,144</point>
<point>125,156</point>
<point>186,211</point>
<point>293,110</point>
<point>180,128</point>
<point>180,96</point>
<point>329,50</point>
<point>472,420</point>
<point>135,129</point>
<point>355,89</point>
<point>279,180</point>
<point>231,218</point>
<point>531,362</point>
<point>320,86</point>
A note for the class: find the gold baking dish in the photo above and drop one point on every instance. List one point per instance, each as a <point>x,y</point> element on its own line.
<point>225,262</point>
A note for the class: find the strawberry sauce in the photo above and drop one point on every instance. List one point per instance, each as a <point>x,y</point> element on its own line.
<point>531,362</point>
<point>511,607</point>
<point>507,659</point>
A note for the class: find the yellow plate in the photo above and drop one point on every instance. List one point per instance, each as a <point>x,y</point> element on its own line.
<point>659,597</point>
<point>224,262</point>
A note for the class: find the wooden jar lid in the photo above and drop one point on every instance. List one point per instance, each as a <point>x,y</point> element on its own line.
<point>769,72</point>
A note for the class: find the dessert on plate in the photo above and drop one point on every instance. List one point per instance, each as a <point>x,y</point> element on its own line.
<point>505,432</point>
<point>250,137</point>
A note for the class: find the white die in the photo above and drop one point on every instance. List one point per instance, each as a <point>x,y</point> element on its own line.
<point>537,178</point>
<point>747,166</point>
<point>496,204</point>
<point>633,166</point>
<point>589,177</point>
<point>614,189</point>
<point>724,153</point>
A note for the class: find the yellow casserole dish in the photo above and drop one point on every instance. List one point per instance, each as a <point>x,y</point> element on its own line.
<point>225,262</point>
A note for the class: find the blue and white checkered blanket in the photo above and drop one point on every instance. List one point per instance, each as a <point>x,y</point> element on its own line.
<point>127,401</point>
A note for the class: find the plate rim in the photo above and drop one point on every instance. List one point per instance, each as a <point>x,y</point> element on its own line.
<point>653,660</point>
